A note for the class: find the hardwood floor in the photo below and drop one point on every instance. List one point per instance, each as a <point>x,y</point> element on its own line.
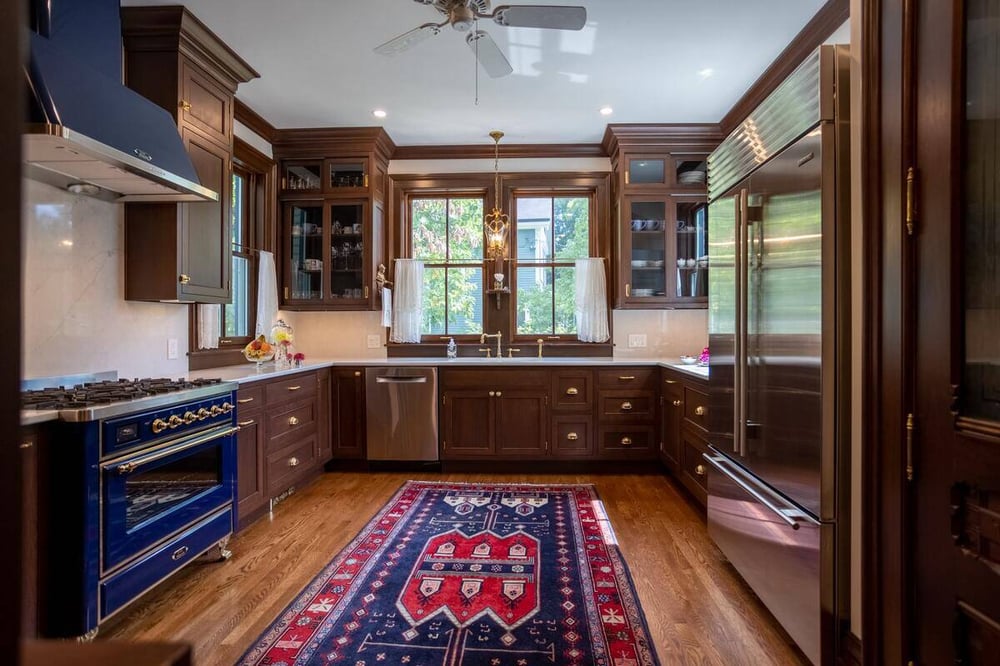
<point>698,610</point>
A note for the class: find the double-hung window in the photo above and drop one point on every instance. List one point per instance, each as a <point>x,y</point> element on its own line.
<point>237,316</point>
<point>447,235</point>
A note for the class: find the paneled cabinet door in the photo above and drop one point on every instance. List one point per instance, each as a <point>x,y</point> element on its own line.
<point>672,407</point>
<point>521,423</point>
<point>251,486</point>
<point>324,444</point>
<point>347,402</point>
<point>467,423</point>
<point>206,254</point>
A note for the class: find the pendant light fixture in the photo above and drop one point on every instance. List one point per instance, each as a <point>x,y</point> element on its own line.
<point>496,225</point>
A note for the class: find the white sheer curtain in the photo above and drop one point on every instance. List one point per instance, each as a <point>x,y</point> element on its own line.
<point>591,301</point>
<point>209,326</point>
<point>267,294</point>
<point>408,308</point>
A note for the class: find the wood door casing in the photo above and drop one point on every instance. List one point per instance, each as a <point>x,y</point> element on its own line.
<point>521,423</point>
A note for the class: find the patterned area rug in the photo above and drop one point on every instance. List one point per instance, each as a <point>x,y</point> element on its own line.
<point>467,574</point>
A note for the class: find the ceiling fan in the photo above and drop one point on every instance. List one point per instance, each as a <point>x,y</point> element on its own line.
<point>462,15</point>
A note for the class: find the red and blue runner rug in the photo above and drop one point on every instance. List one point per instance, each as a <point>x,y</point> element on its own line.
<point>470,574</point>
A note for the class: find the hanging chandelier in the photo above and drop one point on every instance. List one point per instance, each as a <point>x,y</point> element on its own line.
<point>496,224</point>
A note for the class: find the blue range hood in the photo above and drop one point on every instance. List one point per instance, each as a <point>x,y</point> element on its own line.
<point>86,131</point>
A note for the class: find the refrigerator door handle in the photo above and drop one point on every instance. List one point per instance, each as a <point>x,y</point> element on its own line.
<point>743,286</point>
<point>718,463</point>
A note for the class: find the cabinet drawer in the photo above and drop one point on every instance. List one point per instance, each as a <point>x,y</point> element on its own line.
<point>284,466</point>
<point>626,440</point>
<point>295,387</point>
<point>571,436</point>
<point>294,420</point>
<point>249,397</point>
<point>628,378</point>
<point>694,473</point>
<point>626,405</point>
<point>572,390</point>
<point>696,407</point>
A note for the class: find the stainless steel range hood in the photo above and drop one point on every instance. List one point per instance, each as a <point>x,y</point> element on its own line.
<point>89,133</point>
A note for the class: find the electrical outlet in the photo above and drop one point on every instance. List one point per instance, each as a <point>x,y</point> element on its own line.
<point>172,348</point>
<point>374,341</point>
<point>636,339</point>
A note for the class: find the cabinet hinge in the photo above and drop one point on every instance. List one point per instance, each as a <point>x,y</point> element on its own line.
<point>909,446</point>
<point>911,200</point>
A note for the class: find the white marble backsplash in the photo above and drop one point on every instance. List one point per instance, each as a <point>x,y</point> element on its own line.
<point>669,333</point>
<point>75,317</point>
<point>336,334</point>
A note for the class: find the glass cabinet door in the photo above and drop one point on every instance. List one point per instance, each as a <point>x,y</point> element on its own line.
<point>302,176</point>
<point>347,251</point>
<point>343,174</point>
<point>691,243</point>
<point>647,171</point>
<point>647,222</point>
<point>305,253</point>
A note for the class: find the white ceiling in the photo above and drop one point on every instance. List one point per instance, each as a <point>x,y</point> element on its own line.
<point>642,57</point>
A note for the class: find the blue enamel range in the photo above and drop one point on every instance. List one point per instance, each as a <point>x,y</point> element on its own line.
<point>133,490</point>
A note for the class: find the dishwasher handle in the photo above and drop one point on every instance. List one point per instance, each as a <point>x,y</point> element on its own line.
<point>401,380</point>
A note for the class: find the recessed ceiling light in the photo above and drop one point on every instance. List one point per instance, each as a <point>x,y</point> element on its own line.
<point>606,110</point>
<point>379,113</point>
<point>66,242</point>
<point>705,73</point>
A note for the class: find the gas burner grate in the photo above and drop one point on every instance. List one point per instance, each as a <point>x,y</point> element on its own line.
<point>106,392</point>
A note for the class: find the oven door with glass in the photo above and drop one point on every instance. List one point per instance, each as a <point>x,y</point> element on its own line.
<point>150,495</point>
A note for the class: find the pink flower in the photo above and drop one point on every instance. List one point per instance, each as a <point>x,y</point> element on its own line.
<point>299,356</point>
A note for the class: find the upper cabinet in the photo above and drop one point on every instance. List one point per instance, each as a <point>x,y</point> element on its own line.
<point>660,213</point>
<point>333,204</point>
<point>182,252</point>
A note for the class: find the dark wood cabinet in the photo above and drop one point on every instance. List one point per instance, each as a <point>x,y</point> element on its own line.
<point>671,410</point>
<point>333,198</point>
<point>251,489</point>
<point>521,418</point>
<point>693,472</point>
<point>467,426</point>
<point>347,413</point>
<point>181,252</point>
<point>684,429</point>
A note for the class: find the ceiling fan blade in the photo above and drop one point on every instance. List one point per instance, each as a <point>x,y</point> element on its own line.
<point>408,39</point>
<point>489,54</point>
<point>541,16</point>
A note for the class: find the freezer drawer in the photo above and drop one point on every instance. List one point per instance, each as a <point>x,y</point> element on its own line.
<point>401,410</point>
<point>774,546</point>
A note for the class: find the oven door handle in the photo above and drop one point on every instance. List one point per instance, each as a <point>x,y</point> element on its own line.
<point>132,465</point>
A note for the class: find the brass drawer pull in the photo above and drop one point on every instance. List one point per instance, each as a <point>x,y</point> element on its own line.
<point>700,470</point>
<point>626,441</point>
<point>244,424</point>
<point>185,105</point>
<point>293,462</point>
<point>678,403</point>
<point>670,381</point>
<point>183,279</point>
<point>179,553</point>
<point>626,378</point>
<point>572,437</point>
<point>294,388</point>
<point>699,410</point>
<point>572,390</point>
<point>293,420</point>
<point>626,406</point>
<point>244,401</point>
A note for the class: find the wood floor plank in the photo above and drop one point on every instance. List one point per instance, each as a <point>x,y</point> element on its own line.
<point>698,609</point>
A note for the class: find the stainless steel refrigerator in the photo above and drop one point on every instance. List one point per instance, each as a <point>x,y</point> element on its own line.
<point>779,330</point>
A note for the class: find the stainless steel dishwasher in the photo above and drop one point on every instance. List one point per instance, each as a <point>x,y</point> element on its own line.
<point>401,410</point>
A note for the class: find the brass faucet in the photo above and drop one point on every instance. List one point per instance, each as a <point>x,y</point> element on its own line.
<point>498,335</point>
<point>540,343</point>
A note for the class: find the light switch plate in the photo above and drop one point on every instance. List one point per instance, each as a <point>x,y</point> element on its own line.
<point>374,342</point>
<point>171,348</point>
<point>636,339</point>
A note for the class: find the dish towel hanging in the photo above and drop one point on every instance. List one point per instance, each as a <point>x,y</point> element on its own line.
<point>408,313</point>
<point>267,294</point>
<point>386,307</point>
<point>591,301</point>
<point>209,326</point>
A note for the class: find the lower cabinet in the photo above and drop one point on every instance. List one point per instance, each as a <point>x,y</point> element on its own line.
<point>347,413</point>
<point>693,473</point>
<point>683,429</point>
<point>496,423</point>
<point>284,438</point>
<point>671,410</point>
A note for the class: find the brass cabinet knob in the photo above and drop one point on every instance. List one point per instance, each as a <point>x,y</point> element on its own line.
<point>678,403</point>
<point>626,406</point>
<point>499,393</point>
<point>185,105</point>
<point>626,441</point>
<point>215,410</point>
<point>572,437</point>
<point>183,279</point>
<point>203,414</point>
<point>572,390</point>
<point>357,373</point>
<point>159,425</point>
<point>293,462</point>
<point>493,394</point>
<point>700,470</point>
<point>190,417</point>
<point>699,410</point>
<point>293,420</point>
<point>227,407</point>
<point>174,421</point>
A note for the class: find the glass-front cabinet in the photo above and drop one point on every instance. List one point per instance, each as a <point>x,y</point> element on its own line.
<point>664,250</point>
<point>326,265</point>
